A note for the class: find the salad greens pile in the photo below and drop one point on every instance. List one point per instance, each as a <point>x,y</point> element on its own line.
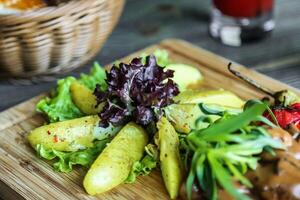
<point>59,106</point>
<point>143,167</point>
<point>66,160</point>
<point>222,153</point>
<point>136,92</point>
<point>96,76</point>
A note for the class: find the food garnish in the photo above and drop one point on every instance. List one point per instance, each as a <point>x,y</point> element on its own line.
<point>136,92</point>
<point>223,152</point>
<point>144,166</point>
<point>162,57</point>
<point>286,107</point>
<point>60,106</point>
<point>186,111</point>
<point>66,160</point>
<point>287,115</point>
<point>96,76</point>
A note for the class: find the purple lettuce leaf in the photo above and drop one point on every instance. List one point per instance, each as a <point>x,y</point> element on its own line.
<point>136,92</point>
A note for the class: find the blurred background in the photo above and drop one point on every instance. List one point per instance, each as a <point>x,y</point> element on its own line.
<point>145,22</point>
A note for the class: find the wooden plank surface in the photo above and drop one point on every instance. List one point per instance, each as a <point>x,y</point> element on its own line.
<point>147,22</point>
<point>24,175</point>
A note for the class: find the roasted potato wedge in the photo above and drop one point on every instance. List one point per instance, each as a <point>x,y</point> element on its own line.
<point>217,97</point>
<point>171,166</point>
<point>113,165</point>
<point>84,99</point>
<point>70,135</point>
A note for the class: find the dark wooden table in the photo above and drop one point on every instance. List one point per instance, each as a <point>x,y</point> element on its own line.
<point>146,22</point>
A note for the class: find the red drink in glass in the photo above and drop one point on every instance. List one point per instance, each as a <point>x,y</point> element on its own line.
<point>237,21</point>
<point>243,8</point>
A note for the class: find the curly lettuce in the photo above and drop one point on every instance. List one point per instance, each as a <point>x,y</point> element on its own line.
<point>144,166</point>
<point>66,160</point>
<point>162,57</point>
<point>60,106</point>
<point>97,76</point>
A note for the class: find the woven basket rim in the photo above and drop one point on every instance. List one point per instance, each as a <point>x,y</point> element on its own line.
<point>48,12</point>
<point>37,36</point>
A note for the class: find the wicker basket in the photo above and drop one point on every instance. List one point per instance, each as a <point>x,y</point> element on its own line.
<point>55,39</point>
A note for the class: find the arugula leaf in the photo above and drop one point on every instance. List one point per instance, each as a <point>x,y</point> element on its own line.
<point>223,130</point>
<point>59,106</point>
<point>223,152</point>
<point>66,160</point>
<point>224,178</point>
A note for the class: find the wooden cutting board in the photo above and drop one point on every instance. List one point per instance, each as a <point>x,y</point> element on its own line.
<point>24,176</point>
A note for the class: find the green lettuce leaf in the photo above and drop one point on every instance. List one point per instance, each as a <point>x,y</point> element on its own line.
<point>144,166</point>
<point>162,57</point>
<point>66,160</point>
<point>97,76</point>
<point>59,106</point>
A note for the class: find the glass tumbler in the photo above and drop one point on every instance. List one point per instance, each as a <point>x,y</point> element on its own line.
<point>235,22</point>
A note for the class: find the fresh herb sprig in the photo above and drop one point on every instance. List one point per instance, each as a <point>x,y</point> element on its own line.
<point>223,152</point>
